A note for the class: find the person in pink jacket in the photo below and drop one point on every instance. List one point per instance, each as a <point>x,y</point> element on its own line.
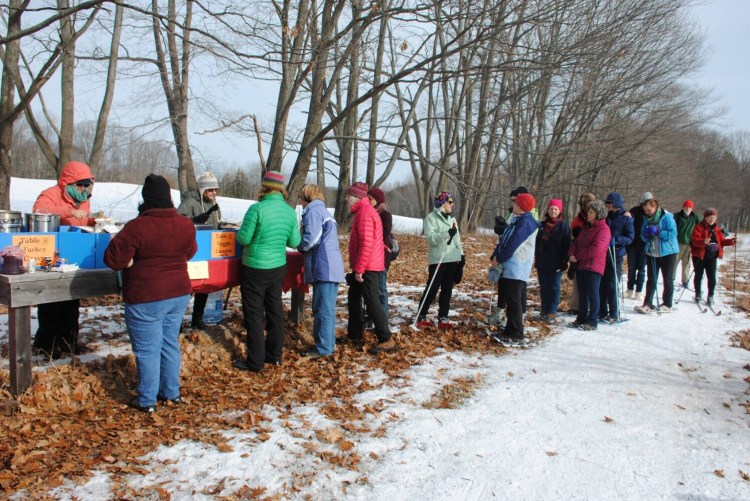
<point>589,252</point>
<point>69,199</point>
<point>367,262</point>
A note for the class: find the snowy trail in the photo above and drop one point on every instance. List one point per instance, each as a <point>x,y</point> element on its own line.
<point>538,428</point>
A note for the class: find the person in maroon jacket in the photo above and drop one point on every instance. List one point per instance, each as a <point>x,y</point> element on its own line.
<point>707,244</point>
<point>589,252</point>
<point>367,262</point>
<point>152,251</point>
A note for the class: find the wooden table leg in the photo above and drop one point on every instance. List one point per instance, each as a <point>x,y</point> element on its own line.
<point>19,333</point>
<point>298,307</point>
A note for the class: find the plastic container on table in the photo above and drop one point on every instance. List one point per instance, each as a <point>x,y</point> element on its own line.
<point>214,311</point>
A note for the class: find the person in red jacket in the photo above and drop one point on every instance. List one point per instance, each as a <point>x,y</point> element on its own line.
<point>576,225</point>
<point>707,244</point>
<point>367,262</point>
<point>589,252</point>
<point>69,199</point>
<point>152,251</point>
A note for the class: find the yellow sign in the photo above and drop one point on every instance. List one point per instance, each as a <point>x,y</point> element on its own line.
<point>222,244</point>
<point>36,246</point>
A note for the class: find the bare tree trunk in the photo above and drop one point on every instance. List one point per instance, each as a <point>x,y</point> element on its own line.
<point>175,65</point>
<point>97,150</point>
<point>67,89</point>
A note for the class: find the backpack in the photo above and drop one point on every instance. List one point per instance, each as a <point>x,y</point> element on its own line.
<point>395,248</point>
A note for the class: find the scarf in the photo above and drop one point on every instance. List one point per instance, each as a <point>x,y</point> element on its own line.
<point>77,196</point>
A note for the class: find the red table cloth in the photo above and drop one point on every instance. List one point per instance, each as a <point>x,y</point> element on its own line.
<point>226,273</point>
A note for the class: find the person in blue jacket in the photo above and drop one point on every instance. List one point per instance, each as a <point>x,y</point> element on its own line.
<point>620,225</point>
<point>324,267</point>
<point>659,232</point>
<point>515,253</point>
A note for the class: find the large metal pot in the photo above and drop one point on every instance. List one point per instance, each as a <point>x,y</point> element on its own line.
<point>10,221</point>
<point>36,222</point>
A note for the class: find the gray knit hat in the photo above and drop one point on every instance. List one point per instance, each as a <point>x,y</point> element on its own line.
<point>207,181</point>
<point>598,207</point>
<point>646,197</point>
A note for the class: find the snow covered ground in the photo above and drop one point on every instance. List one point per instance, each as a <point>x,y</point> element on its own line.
<point>647,409</point>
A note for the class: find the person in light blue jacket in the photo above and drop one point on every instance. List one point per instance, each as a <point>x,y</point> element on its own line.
<point>324,267</point>
<point>659,232</point>
<point>515,253</point>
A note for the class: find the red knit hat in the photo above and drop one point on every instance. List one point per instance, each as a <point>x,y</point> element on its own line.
<point>688,203</point>
<point>555,202</point>
<point>526,202</point>
<point>358,190</point>
<point>710,212</point>
<point>377,194</point>
<point>274,180</point>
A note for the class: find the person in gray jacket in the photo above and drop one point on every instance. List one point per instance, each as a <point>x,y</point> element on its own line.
<point>201,207</point>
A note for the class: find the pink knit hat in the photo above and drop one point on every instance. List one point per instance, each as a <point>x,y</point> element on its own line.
<point>556,202</point>
<point>358,190</point>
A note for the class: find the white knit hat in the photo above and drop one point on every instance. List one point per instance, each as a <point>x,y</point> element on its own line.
<point>206,181</point>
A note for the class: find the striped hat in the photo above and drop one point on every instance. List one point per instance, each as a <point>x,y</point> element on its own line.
<point>207,181</point>
<point>274,180</point>
<point>358,190</point>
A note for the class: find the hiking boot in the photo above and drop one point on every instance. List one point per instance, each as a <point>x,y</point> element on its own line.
<point>587,327</point>
<point>369,324</point>
<point>575,324</point>
<point>710,300</point>
<point>444,323</point>
<point>244,366</point>
<point>354,341</point>
<point>698,297</point>
<point>645,309</point>
<point>384,347</point>
<point>148,409</point>
<point>312,355</point>
<point>423,322</point>
<point>664,309</point>
<point>176,401</point>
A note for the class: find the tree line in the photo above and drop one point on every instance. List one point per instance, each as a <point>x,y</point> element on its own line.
<point>472,96</point>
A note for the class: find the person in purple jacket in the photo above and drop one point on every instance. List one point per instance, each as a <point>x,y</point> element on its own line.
<point>589,252</point>
<point>324,267</point>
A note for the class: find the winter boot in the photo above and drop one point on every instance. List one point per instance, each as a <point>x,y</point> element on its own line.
<point>423,322</point>
<point>710,300</point>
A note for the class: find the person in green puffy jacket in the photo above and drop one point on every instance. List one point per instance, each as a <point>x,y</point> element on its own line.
<point>269,227</point>
<point>444,256</point>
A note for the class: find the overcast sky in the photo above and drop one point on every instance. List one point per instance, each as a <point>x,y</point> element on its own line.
<point>727,69</point>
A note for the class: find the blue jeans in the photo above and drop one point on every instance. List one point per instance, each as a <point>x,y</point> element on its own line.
<point>383,290</point>
<point>549,290</point>
<point>154,329</point>
<point>588,297</point>
<point>324,313</point>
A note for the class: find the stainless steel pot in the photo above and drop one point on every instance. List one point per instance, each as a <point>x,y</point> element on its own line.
<point>10,221</point>
<point>37,222</point>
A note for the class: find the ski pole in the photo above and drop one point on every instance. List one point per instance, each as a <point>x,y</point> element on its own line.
<point>684,288</point>
<point>618,304</point>
<point>429,286</point>
<point>734,273</point>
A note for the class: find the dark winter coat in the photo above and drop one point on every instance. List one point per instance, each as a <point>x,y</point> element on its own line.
<point>552,244</point>
<point>621,226</point>
<point>516,248</point>
<point>638,216</point>
<point>160,242</point>
<point>701,232</point>
<point>685,225</point>
<point>590,248</point>
<point>193,205</point>
<point>577,224</point>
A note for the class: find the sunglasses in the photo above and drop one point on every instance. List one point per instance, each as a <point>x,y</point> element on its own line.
<point>211,189</point>
<point>83,185</point>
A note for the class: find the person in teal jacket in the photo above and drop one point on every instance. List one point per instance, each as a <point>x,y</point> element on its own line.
<point>659,232</point>
<point>269,227</point>
<point>444,256</point>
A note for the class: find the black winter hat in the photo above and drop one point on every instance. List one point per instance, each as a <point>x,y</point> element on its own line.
<point>518,191</point>
<point>156,189</point>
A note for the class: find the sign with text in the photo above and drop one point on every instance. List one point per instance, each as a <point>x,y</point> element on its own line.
<point>36,246</point>
<point>222,244</point>
<point>198,270</point>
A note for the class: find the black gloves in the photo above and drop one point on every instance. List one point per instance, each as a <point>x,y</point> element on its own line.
<point>500,225</point>
<point>202,218</point>
<point>452,232</point>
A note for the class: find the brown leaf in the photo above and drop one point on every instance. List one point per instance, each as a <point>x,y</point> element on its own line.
<point>719,473</point>
<point>608,419</point>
